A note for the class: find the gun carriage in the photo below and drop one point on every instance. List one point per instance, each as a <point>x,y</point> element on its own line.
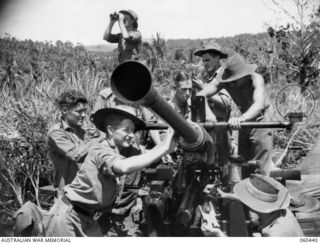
<point>176,203</point>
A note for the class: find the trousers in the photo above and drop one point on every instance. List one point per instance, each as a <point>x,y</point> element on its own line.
<point>257,144</point>
<point>63,220</point>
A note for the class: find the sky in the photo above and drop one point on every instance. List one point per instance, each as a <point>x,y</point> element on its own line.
<point>84,21</point>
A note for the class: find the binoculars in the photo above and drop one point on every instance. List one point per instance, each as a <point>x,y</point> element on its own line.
<point>114,16</point>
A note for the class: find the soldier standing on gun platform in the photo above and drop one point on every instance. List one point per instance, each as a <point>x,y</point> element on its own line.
<point>68,143</point>
<point>96,185</point>
<point>220,103</point>
<point>129,40</point>
<point>247,89</point>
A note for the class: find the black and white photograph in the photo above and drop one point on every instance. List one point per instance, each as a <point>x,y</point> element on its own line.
<point>167,118</point>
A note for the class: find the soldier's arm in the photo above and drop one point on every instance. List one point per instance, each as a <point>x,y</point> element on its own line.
<point>107,36</point>
<point>58,141</point>
<point>221,194</point>
<point>123,29</point>
<point>155,135</point>
<point>259,98</point>
<point>210,89</point>
<point>135,163</point>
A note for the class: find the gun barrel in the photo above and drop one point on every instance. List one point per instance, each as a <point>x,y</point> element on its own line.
<point>131,82</point>
<point>156,126</point>
<point>286,174</point>
<point>221,125</point>
<point>264,124</point>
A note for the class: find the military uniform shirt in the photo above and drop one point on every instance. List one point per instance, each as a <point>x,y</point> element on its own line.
<point>285,226</point>
<point>67,148</point>
<point>128,49</point>
<point>96,186</point>
<point>184,111</point>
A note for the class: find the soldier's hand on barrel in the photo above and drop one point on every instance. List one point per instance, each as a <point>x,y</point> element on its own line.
<point>235,122</point>
<point>221,194</point>
<point>166,159</point>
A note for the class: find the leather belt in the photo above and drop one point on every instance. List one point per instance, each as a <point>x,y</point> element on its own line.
<point>81,210</point>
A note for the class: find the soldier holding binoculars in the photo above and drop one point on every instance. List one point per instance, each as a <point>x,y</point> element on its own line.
<point>129,40</point>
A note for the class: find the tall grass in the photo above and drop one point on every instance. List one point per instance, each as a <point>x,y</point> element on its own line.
<point>26,114</point>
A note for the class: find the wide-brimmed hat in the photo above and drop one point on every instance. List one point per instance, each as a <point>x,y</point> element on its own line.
<point>98,118</point>
<point>131,13</point>
<point>304,204</point>
<point>211,48</point>
<point>262,194</point>
<point>235,68</point>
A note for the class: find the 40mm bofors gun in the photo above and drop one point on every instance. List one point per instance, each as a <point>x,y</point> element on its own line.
<point>172,205</point>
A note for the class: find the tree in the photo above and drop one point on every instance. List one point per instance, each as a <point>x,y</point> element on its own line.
<point>296,44</point>
<point>159,45</point>
<point>23,158</point>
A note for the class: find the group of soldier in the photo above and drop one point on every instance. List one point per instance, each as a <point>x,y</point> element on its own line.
<point>97,172</point>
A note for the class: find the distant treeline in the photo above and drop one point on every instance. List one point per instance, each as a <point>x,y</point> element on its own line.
<point>276,53</point>
<point>47,61</point>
